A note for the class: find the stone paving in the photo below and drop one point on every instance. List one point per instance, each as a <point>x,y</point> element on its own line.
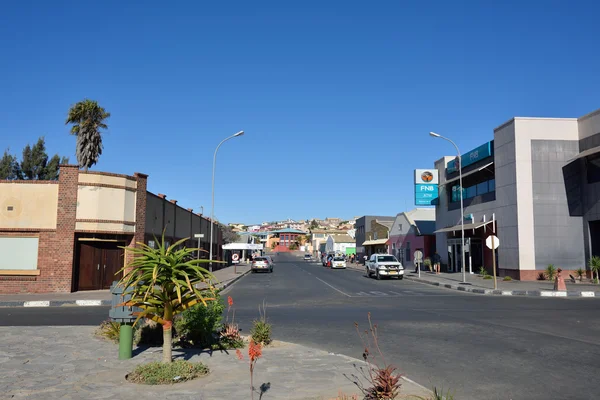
<point>71,363</point>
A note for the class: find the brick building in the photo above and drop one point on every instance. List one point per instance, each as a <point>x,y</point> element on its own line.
<point>67,235</point>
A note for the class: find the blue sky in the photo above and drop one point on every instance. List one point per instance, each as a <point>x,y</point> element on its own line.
<point>336,97</point>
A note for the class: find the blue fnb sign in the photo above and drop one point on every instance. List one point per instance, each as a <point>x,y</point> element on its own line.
<point>426,194</point>
<point>481,152</point>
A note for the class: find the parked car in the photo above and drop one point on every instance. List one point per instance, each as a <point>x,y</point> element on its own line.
<point>384,265</point>
<point>262,264</point>
<point>338,262</point>
<point>307,257</point>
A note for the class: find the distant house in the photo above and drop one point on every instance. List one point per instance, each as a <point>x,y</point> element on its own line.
<point>343,244</point>
<point>413,230</point>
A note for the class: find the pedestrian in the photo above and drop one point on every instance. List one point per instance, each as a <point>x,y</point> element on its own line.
<point>436,262</point>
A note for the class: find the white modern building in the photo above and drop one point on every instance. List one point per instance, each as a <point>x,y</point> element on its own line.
<point>536,185</point>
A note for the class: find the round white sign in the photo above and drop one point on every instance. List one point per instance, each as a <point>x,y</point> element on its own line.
<point>418,255</point>
<point>488,242</point>
<point>235,257</point>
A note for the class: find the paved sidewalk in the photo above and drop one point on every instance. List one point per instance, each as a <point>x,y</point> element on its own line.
<point>478,285</point>
<point>71,363</point>
<point>226,277</point>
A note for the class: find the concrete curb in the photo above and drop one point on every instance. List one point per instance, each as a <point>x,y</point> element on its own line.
<point>491,292</point>
<point>90,303</point>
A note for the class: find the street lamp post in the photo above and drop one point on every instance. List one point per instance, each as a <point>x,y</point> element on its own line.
<point>462,209</point>
<point>212,210</point>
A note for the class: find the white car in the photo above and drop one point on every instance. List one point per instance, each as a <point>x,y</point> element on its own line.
<point>384,265</point>
<point>338,262</point>
<point>262,264</point>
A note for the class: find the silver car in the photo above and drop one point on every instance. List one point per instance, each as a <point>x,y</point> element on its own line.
<point>262,264</point>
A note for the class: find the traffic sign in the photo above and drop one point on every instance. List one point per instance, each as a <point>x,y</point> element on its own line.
<point>418,256</point>
<point>492,242</point>
<point>235,256</point>
<point>199,235</point>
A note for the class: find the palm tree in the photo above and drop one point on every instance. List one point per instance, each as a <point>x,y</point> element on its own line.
<point>163,283</point>
<point>87,118</point>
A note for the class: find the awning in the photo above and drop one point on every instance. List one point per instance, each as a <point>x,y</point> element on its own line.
<point>467,226</point>
<point>242,246</point>
<point>469,173</point>
<point>585,153</point>
<point>375,242</point>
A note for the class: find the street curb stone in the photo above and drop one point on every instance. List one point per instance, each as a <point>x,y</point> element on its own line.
<point>530,293</point>
<point>87,302</point>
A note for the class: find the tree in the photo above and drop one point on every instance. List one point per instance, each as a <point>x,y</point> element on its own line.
<point>87,118</point>
<point>34,164</point>
<point>229,236</point>
<point>9,167</point>
<point>163,283</point>
<point>313,224</point>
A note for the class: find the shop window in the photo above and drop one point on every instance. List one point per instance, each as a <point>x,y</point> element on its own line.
<point>492,185</point>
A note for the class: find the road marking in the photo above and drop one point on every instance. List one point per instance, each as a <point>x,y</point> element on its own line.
<point>334,288</point>
<point>587,294</point>
<point>36,304</point>
<point>88,302</point>
<point>376,293</point>
<point>400,294</point>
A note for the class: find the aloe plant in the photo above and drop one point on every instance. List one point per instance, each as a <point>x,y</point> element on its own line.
<point>163,282</point>
<point>580,272</point>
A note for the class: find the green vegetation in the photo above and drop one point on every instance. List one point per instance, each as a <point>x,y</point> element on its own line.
<point>87,118</point>
<point>163,282</point>
<point>156,373</point>
<point>594,265</point>
<point>482,271</point>
<point>200,325</point>
<point>261,329</point>
<point>580,273</point>
<point>488,277</point>
<point>34,164</point>
<point>507,278</point>
<point>550,272</point>
<point>109,330</point>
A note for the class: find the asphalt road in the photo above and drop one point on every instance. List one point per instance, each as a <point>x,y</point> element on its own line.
<point>481,347</point>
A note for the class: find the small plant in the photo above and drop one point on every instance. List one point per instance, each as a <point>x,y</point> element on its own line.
<point>507,278</point>
<point>382,377</point>
<point>550,272</point>
<point>487,277</point>
<point>230,333</point>
<point>109,330</point>
<point>438,394</point>
<point>580,273</point>
<point>594,265</point>
<point>428,264</point>
<point>254,353</point>
<point>156,373</point>
<point>261,329</point>
<point>482,271</point>
<point>541,276</point>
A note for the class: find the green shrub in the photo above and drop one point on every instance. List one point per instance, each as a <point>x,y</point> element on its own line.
<point>157,373</point>
<point>261,329</point>
<point>109,330</point>
<point>580,273</point>
<point>487,277</point>
<point>550,272</point>
<point>428,264</point>
<point>482,271</point>
<point>507,278</point>
<point>200,325</point>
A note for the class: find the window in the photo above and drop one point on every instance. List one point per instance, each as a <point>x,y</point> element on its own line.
<point>407,251</point>
<point>151,244</point>
<point>386,259</point>
<point>19,253</point>
<point>482,188</point>
<point>393,246</point>
<point>492,185</point>
<point>375,235</point>
<point>471,192</point>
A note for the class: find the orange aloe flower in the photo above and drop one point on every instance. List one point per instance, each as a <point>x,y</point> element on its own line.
<point>254,351</point>
<point>229,301</point>
<point>239,354</point>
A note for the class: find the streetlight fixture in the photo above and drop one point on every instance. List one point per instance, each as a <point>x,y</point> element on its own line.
<point>462,209</point>
<point>212,211</point>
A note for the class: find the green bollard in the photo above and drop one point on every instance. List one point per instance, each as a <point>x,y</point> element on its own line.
<point>125,341</point>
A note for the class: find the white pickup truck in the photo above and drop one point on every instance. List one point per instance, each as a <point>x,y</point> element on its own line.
<point>384,265</point>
